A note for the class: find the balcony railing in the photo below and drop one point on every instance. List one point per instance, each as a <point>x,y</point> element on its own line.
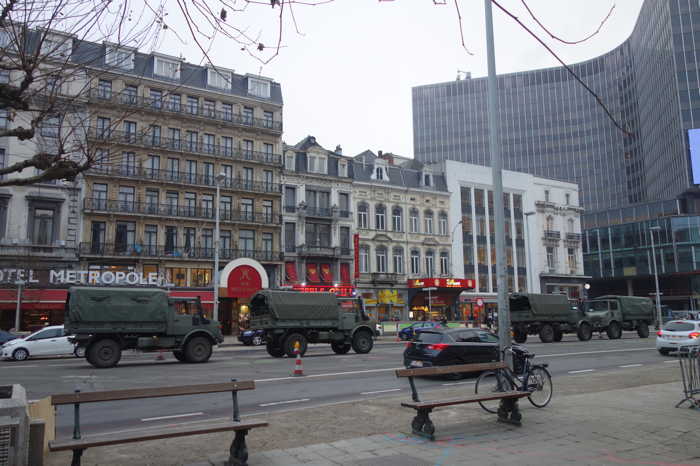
<point>149,141</point>
<point>168,210</point>
<point>317,250</point>
<point>389,278</point>
<point>552,235</point>
<point>195,111</point>
<point>41,250</point>
<point>170,176</point>
<point>172,252</point>
<point>573,236</point>
<point>318,211</point>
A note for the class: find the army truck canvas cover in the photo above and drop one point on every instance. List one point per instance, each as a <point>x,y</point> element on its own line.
<point>548,315</point>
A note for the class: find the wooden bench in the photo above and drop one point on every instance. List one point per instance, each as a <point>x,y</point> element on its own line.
<point>79,443</point>
<point>424,427</point>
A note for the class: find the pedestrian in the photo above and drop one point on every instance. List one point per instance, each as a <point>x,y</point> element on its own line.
<point>443,321</point>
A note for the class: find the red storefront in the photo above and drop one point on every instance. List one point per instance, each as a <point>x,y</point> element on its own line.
<point>436,298</point>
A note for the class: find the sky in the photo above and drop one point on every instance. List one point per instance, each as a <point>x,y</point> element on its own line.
<point>347,76</point>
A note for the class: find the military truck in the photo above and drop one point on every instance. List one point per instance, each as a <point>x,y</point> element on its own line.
<point>106,321</point>
<point>612,314</point>
<point>548,315</point>
<point>291,317</point>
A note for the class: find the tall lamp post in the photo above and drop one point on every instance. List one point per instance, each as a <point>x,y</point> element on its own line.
<point>656,276</point>
<point>219,179</point>
<point>18,310</point>
<point>430,300</point>
<point>529,251</point>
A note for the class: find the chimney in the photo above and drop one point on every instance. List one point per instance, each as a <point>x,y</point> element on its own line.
<point>379,154</point>
<point>338,149</point>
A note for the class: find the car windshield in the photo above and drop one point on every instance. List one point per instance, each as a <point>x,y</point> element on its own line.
<point>597,305</point>
<point>679,326</point>
<point>430,337</point>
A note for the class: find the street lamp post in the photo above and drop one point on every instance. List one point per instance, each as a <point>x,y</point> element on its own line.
<point>656,276</point>
<point>219,178</point>
<point>20,284</point>
<point>529,252</point>
<point>430,300</point>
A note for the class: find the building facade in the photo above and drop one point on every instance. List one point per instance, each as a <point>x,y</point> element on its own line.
<point>402,220</point>
<point>542,234</point>
<point>552,128</point>
<point>317,217</point>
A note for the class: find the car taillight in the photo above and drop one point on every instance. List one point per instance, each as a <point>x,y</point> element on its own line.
<point>438,346</point>
<point>409,344</point>
<point>694,335</point>
<point>659,334</point>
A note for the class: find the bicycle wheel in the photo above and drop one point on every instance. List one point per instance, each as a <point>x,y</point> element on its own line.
<point>539,383</point>
<point>488,383</point>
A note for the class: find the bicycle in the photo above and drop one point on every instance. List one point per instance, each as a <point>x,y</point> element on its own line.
<point>533,378</point>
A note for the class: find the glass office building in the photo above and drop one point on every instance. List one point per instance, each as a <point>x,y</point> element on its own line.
<point>551,127</point>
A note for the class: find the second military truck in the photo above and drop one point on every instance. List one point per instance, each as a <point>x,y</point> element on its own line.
<point>106,321</point>
<point>289,318</point>
<point>548,315</point>
<point>612,314</point>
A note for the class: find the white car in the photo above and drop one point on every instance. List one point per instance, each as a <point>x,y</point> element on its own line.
<point>676,334</point>
<point>49,341</point>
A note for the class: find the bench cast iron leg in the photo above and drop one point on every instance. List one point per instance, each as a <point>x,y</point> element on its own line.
<point>77,454</point>
<point>509,412</point>
<point>239,450</point>
<point>422,425</point>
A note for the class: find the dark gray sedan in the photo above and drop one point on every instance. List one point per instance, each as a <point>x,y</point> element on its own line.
<point>444,347</point>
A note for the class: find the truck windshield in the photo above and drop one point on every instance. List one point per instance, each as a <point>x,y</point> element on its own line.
<point>597,305</point>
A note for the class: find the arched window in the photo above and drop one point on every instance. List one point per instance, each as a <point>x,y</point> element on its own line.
<point>443,223</point>
<point>362,215</point>
<point>397,218</point>
<point>444,262</point>
<point>415,261</point>
<point>381,259</point>
<point>430,263</point>
<point>397,254</point>
<point>380,217</point>
<point>549,223</point>
<point>570,226</point>
<point>413,221</point>
<point>428,214</point>
<point>364,258</point>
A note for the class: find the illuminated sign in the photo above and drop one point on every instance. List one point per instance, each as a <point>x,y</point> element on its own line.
<point>341,290</point>
<point>441,283</point>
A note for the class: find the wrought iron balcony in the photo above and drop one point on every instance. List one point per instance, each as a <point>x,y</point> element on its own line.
<point>106,96</point>
<point>387,278</point>
<point>325,212</point>
<point>169,210</point>
<point>573,236</point>
<point>317,250</point>
<point>169,176</point>
<point>150,141</point>
<point>552,235</point>
<point>172,252</point>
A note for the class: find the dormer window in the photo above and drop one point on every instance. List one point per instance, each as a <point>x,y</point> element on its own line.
<point>57,46</point>
<point>219,78</point>
<point>289,162</point>
<point>343,168</point>
<point>379,173</point>
<point>259,87</point>
<point>427,181</point>
<point>166,68</point>
<point>119,57</point>
<point>316,164</point>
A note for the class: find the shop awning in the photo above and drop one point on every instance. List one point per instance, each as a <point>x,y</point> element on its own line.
<point>207,297</point>
<point>34,299</point>
<point>290,269</point>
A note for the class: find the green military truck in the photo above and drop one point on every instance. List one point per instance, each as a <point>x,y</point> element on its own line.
<point>106,321</point>
<point>548,315</point>
<point>290,317</point>
<point>612,314</point>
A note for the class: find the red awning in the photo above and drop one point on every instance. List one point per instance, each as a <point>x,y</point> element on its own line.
<point>34,299</point>
<point>326,274</point>
<point>290,269</point>
<point>345,273</point>
<point>312,273</point>
<point>207,297</point>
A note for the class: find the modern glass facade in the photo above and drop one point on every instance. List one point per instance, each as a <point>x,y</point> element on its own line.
<point>551,127</point>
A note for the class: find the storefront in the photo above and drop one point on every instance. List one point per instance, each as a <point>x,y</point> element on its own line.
<point>385,304</point>
<point>239,281</point>
<point>436,298</point>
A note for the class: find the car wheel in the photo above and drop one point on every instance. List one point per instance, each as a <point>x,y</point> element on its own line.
<point>257,340</point>
<point>546,333</point>
<point>79,351</point>
<point>20,354</point>
<point>643,330</point>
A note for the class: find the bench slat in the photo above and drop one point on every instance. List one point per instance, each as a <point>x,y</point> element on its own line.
<point>469,399</point>
<point>459,368</point>
<point>154,434</point>
<point>136,393</point>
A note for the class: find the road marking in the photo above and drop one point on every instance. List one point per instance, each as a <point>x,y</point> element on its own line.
<point>275,379</point>
<point>670,362</point>
<point>19,367</point>
<point>594,352</point>
<point>581,371</point>
<point>174,416</point>
<point>284,402</point>
<point>632,365</point>
<point>381,391</point>
<point>459,383</point>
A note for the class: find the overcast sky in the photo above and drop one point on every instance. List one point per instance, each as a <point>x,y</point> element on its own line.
<point>347,80</point>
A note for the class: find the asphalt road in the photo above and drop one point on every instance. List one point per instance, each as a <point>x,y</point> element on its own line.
<point>329,378</point>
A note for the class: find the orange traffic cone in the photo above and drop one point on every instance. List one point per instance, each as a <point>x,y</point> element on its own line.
<point>298,367</point>
<point>160,356</point>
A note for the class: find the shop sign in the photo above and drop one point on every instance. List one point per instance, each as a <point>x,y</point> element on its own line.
<point>81,277</point>
<point>243,282</point>
<point>356,245</point>
<point>389,297</point>
<point>441,283</point>
<point>340,290</point>
<point>479,302</point>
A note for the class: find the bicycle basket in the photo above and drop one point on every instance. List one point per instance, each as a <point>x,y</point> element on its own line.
<point>519,358</point>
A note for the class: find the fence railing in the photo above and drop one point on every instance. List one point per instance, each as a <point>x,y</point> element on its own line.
<point>173,252</point>
<point>689,360</point>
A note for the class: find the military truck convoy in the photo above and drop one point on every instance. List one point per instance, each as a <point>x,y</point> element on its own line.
<point>551,316</point>
<point>106,321</point>
<point>289,318</point>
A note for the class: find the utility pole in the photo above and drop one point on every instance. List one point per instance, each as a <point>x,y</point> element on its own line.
<point>497,175</point>
<point>659,318</point>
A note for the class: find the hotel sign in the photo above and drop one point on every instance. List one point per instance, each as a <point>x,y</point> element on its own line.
<point>81,277</point>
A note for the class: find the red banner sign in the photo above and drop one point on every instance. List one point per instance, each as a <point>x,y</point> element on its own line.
<point>441,283</point>
<point>243,282</point>
<point>338,290</point>
<point>356,245</point>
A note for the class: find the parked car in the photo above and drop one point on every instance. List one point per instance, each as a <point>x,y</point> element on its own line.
<point>252,337</point>
<point>408,333</point>
<point>443,347</point>
<point>49,341</point>
<point>676,334</point>
<point>6,336</point>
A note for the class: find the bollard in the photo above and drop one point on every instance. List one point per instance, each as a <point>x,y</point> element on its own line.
<point>298,367</point>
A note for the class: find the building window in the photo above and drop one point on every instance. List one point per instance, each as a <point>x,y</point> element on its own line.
<point>267,245</point>
<point>51,126</point>
<point>344,204</point>
<point>567,198</point>
<point>150,239</point>
<point>248,147</point>
<point>174,102</point>
<point>209,143</point>
<point>430,263</point>
<point>290,199</point>
<point>397,218</point>
<point>156,96</point>
<point>4,75</point>
<point>444,263</point>
<point>247,210</point>
<point>428,222</point>
<point>290,237</point>
<point>248,177</point>
<point>415,262</point>
<point>443,223</point>
<point>267,211</point>
<point>572,260</point>
<point>200,277</point>
<point>364,259</point>
<point>119,58</point>
<point>97,237</point>
<point>152,201</point>
<point>128,165</point>
<point>316,164</point>
<point>259,88</point>
<point>549,223</point>
<point>379,173</point>
<point>551,259</point>
<point>208,205</point>
<point>247,242</point>
<point>289,162</point>
<point>381,259</point>
<point>129,131</point>
<point>227,145</point>
<point>208,242</point>
<point>171,239</point>
<point>546,195</point>
<point>104,89</point>
<point>43,232</point>
<point>218,79</point>
<point>413,221</point>
<point>398,260</point>
<point>99,196</point>
<point>125,237</point>
<point>380,217</point>
<point>345,240</point>
<point>362,215</point>
<point>177,276</point>
<point>268,118</point>
<point>189,237</point>
<point>192,138</point>
<point>225,243</point>
<point>154,130</point>
<point>174,135</point>
<point>343,169</point>
<point>166,68</point>
<point>570,225</point>
<point>193,105</point>
<point>126,198</point>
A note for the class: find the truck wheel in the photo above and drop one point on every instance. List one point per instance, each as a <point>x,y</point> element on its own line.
<point>197,350</point>
<point>179,355</point>
<point>104,353</point>
<point>274,351</point>
<point>340,348</point>
<point>546,333</point>
<point>643,330</point>
<point>520,336</point>
<point>614,331</point>
<point>558,334</point>
<point>584,332</point>
<point>290,342</point>
<point>362,342</point>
